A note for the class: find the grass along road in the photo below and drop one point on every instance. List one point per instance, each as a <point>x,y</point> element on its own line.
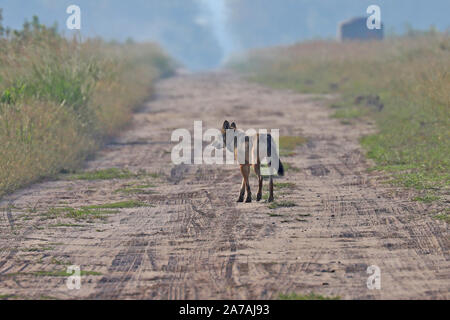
<point>401,84</point>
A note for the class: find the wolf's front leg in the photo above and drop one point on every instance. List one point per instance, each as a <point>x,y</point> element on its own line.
<point>245,169</point>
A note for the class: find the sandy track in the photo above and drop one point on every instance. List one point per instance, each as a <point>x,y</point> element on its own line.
<point>194,241</point>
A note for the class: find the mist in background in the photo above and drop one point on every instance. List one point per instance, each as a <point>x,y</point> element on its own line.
<point>217,15</point>
<point>201,34</point>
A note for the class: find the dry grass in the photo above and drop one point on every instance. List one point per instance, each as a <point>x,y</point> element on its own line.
<point>60,99</point>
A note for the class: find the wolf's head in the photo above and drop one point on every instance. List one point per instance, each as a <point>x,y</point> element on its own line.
<point>226,126</point>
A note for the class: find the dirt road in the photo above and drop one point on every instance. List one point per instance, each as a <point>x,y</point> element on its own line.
<point>192,240</point>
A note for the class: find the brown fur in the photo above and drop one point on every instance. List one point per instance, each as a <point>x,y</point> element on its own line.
<point>245,169</point>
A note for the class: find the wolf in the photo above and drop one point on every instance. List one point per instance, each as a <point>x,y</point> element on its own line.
<point>249,146</point>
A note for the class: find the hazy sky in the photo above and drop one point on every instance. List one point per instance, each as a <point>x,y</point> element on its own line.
<point>201,33</point>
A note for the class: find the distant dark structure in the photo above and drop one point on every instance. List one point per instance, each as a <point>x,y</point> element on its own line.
<point>356,29</point>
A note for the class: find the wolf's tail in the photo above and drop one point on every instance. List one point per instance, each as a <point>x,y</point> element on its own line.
<point>269,151</point>
<point>280,169</point>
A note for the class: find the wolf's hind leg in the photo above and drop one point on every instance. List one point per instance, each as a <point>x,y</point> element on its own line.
<point>270,189</point>
<point>244,174</point>
<point>256,167</point>
<point>242,191</point>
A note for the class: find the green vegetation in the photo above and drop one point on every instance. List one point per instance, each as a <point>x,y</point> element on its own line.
<point>444,215</point>
<point>401,83</point>
<point>37,249</point>
<point>60,99</point>
<point>67,225</point>
<point>275,214</point>
<point>288,145</point>
<point>428,198</point>
<point>290,167</point>
<point>281,185</point>
<point>117,205</point>
<point>137,189</point>
<point>104,174</point>
<point>278,186</point>
<point>310,296</point>
<point>304,214</point>
<point>90,212</point>
<point>59,262</point>
<point>77,214</point>
<point>281,204</point>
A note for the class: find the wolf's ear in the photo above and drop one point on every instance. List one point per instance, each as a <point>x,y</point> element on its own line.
<point>233,126</point>
<point>226,125</point>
